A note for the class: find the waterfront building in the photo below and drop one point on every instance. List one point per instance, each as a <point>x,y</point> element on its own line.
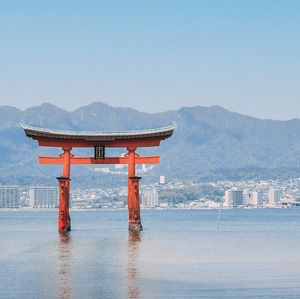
<point>253,198</point>
<point>248,198</point>
<point>273,196</point>
<point>227,199</point>
<point>233,198</point>
<point>150,198</point>
<point>258,198</point>
<point>9,197</point>
<point>43,197</point>
<point>162,179</point>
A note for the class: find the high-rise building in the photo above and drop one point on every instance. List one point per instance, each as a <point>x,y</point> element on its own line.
<point>273,196</point>
<point>162,179</point>
<point>227,199</point>
<point>248,198</point>
<point>43,197</point>
<point>150,198</point>
<point>258,198</point>
<point>233,198</point>
<point>253,198</point>
<point>9,197</point>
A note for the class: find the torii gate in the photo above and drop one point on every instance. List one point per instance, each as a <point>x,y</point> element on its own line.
<point>131,140</point>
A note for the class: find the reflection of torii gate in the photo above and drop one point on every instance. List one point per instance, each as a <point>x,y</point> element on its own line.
<point>99,140</point>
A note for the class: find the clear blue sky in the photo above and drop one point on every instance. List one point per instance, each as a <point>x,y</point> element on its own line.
<point>152,55</point>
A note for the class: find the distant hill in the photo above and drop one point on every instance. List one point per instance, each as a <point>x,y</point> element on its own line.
<point>210,143</point>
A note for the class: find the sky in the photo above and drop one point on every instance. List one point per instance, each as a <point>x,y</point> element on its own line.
<point>152,55</point>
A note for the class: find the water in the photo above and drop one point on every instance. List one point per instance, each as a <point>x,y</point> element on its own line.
<point>252,253</point>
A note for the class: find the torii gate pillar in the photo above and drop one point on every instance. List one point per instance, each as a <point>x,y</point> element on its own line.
<point>64,220</point>
<point>134,214</point>
<point>134,211</point>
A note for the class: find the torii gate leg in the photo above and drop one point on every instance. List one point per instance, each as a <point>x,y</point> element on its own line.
<point>134,214</point>
<point>63,217</point>
<point>64,220</point>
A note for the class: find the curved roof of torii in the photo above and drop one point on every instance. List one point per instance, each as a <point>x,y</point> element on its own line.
<point>89,136</point>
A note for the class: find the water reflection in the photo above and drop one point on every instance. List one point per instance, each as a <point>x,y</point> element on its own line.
<point>64,255</point>
<point>133,290</point>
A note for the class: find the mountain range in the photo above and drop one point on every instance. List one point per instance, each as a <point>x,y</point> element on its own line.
<point>210,143</point>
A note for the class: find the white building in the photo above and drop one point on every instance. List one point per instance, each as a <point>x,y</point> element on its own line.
<point>253,198</point>
<point>233,198</point>
<point>150,198</point>
<point>9,197</point>
<point>43,197</point>
<point>227,199</point>
<point>273,196</point>
<point>162,179</point>
<point>248,198</point>
<point>258,198</point>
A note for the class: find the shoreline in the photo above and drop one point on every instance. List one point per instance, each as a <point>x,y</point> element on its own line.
<point>125,209</point>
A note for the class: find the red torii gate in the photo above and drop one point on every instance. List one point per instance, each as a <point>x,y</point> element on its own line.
<point>131,140</point>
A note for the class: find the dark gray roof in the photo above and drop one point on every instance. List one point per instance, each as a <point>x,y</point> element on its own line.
<point>36,132</point>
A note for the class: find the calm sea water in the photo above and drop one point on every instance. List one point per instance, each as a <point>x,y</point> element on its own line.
<point>252,253</point>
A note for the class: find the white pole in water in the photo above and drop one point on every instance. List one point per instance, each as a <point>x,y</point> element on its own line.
<point>219,216</point>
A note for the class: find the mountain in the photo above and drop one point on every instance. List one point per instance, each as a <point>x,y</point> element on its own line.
<point>210,143</point>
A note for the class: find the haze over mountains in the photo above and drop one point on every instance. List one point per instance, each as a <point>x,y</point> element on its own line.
<point>210,143</point>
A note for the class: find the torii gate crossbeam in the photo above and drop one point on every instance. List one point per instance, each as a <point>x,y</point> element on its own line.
<point>106,160</point>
